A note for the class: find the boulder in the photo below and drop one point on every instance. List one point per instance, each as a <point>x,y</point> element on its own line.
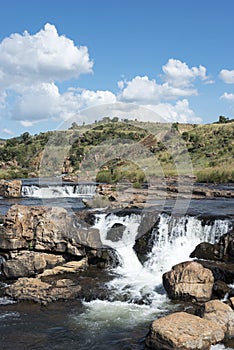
<point>10,189</point>
<point>221,251</point>
<point>49,229</point>
<point>222,271</point>
<point>26,264</point>
<point>182,331</point>
<point>189,281</point>
<point>220,313</point>
<point>34,289</point>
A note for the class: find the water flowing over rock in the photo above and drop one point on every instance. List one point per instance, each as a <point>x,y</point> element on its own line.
<point>10,189</point>
<point>182,331</point>
<point>189,281</point>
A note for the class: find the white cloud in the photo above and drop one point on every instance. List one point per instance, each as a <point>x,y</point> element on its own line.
<point>43,57</point>
<point>178,74</point>
<point>178,112</point>
<point>227,76</point>
<point>143,90</point>
<point>227,96</point>
<point>7,131</point>
<point>31,66</point>
<point>28,123</point>
<point>140,89</point>
<point>44,101</point>
<point>178,82</point>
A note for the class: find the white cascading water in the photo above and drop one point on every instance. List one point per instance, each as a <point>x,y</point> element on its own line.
<point>174,239</point>
<point>67,191</point>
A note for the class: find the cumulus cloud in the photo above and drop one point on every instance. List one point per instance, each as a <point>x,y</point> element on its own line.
<point>178,112</point>
<point>227,76</point>
<point>44,101</point>
<point>43,57</point>
<point>227,96</point>
<point>31,65</point>
<point>178,80</point>
<point>178,74</point>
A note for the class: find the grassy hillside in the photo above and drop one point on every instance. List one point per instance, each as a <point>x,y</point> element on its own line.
<point>116,151</point>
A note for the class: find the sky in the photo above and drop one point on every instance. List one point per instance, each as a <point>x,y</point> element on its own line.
<point>61,58</point>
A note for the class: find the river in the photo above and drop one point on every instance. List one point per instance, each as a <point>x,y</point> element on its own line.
<point>134,293</point>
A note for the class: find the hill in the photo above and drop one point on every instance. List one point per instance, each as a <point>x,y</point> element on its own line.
<point>113,151</point>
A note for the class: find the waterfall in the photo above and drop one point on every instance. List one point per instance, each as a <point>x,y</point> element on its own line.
<point>136,296</point>
<point>59,191</point>
<point>174,238</point>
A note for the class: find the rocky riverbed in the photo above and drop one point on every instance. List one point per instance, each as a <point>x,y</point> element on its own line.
<point>51,255</point>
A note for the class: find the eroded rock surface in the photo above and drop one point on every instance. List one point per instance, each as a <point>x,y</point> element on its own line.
<point>10,189</point>
<point>220,313</point>
<point>34,289</point>
<point>189,281</point>
<point>182,331</point>
<point>46,229</point>
<point>26,264</point>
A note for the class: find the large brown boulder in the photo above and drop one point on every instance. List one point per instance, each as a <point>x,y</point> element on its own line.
<point>46,229</point>
<point>182,331</point>
<point>42,292</point>
<point>10,189</point>
<point>189,281</point>
<point>220,313</point>
<point>26,264</point>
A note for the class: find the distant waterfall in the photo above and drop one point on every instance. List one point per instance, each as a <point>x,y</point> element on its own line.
<point>59,191</point>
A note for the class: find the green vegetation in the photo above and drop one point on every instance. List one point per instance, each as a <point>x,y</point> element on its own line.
<point>115,151</point>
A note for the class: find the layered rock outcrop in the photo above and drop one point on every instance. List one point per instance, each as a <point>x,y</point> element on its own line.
<point>26,264</point>
<point>49,229</point>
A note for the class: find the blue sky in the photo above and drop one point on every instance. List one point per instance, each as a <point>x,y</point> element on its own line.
<point>58,58</point>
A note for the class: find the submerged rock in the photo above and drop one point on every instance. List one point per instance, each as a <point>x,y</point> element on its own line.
<point>189,281</point>
<point>183,331</point>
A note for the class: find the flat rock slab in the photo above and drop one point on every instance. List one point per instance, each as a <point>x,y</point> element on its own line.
<point>34,289</point>
<point>182,331</point>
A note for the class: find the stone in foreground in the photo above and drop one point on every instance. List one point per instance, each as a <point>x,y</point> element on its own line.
<point>219,312</point>
<point>34,289</point>
<point>189,281</point>
<point>182,331</point>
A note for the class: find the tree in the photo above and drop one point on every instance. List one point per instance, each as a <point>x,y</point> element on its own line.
<point>223,119</point>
